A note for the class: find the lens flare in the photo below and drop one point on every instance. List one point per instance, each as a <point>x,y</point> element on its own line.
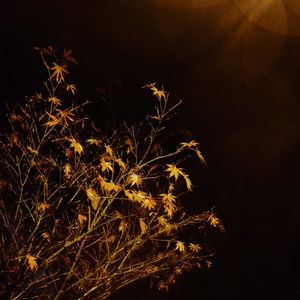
<point>280,16</point>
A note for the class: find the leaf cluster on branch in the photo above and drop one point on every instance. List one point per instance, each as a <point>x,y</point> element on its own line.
<point>83,213</point>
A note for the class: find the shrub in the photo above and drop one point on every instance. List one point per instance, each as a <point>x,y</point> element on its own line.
<point>84,213</point>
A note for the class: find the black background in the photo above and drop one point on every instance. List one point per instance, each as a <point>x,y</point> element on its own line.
<point>239,82</point>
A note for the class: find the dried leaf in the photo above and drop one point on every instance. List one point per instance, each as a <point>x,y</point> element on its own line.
<point>94,197</point>
<point>67,170</point>
<point>76,145</point>
<point>81,218</point>
<point>180,246</point>
<point>143,226</point>
<point>31,260</point>
<point>42,206</point>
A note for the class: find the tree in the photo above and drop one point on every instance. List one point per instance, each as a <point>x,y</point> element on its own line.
<point>84,213</point>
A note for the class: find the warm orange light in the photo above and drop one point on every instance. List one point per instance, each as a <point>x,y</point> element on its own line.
<point>281,16</point>
<point>188,3</point>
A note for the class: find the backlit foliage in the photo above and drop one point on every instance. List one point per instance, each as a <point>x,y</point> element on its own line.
<point>83,213</point>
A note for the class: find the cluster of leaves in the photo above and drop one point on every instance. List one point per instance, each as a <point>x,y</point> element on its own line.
<point>83,213</point>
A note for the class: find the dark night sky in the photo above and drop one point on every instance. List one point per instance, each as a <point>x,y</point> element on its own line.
<point>239,81</point>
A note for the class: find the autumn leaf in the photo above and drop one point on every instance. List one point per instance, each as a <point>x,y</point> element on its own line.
<point>143,226</point>
<point>162,221</point>
<point>54,101</point>
<point>53,121</point>
<point>169,206</point>
<point>129,194</point>
<point>148,203</point>
<point>15,138</point>
<point>129,145</point>
<point>93,142</point>
<point>108,150</point>
<point>123,226</point>
<point>190,144</point>
<point>81,218</point>
<point>121,164</point>
<point>94,197</point>
<point>32,151</point>
<point>135,179</point>
<point>46,236</point>
<point>68,55</point>
<point>68,153</point>
<point>155,91</point>
<point>194,247</point>
<point>105,165</point>
<point>71,88</point>
<point>31,260</point>
<point>180,246</point>
<point>187,182</point>
<point>139,196</point>
<point>58,72</point>
<point>67,170</point>
<point>76,145</point>
<point>174,171</point>
<point>41,207</point>
<point>65,116</point>
<point>200,156</point>
<point>214,220</point>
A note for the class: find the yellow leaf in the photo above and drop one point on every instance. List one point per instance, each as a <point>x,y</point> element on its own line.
<point>143,226</point>
<point>190,144</point>
<point>162,221</point>
<point>77,146</point>
<point>53,121</point>
<point>94,197</point>
<point>108,150</point>
<point>105,165</point>
<point>195,247</point>
<point>213,220</point>
<point>129,194</point>
<point>31,260</point>
<point>71,88</point>
<point>121,164</point>
<point>169,206</point>
<point>135,179</point>
<point>159,93</point>
<point>42,206</point>
<point>123,226</point>
<point>93,142</point>
<point>54,101</point>
<point>67,170</point>
<point>200,156</point>
<point>139,196</point>
<point>81,218</point>
<point>180,246</point>
<point>32,151</point>
<point>187,182</point>
<point>174,171</point>
<point>58,72</point>
<point>148,203</point>
<point>65,116</point>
